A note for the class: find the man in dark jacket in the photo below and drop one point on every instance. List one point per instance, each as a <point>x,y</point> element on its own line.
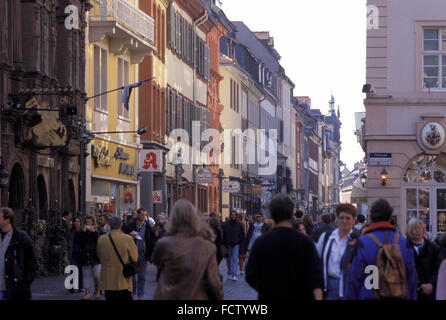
<point>324,226</point>
<point>233,236</point>
<point>18,263</point>
<point>283,264</point>
<point>144,237</point>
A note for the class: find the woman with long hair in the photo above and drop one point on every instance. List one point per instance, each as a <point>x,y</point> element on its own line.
<point>89,257</point>
<point>186,258</point>
<point>309,224</point>
<point>427,259</point>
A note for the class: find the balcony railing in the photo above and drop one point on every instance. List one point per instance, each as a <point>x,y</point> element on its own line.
<point>126,14</point>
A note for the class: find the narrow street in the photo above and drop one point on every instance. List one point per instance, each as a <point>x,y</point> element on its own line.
<point>52,287</point>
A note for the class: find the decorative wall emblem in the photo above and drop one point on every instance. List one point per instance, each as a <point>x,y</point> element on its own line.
<point>433,135</point>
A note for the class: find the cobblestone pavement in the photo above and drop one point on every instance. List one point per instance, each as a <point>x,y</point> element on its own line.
<point>52,287</point>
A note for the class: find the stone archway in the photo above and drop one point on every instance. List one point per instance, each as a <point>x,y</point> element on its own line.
<point>43,198</point>
<point>16,188</point>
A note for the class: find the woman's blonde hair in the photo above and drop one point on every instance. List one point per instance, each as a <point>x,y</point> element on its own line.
<point>413,223</point>
<point>184,219</point>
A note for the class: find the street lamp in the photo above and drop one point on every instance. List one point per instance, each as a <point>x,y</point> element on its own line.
<point>221,177</point>
<point>363,179</point>
<point>383,177</point>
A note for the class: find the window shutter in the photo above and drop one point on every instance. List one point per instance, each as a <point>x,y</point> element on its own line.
<point>177,33</point>
<point>196,51</point>
<point>207,63</point>
<point>179,111</point>
<point>181,34</point>
<point>172,106</point>
<point>167,110</point>
<point>171,26</point>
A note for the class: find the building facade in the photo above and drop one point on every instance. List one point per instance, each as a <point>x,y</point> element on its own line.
<point>404,126</point>
<point>117,44</point>
<point>42,95</point>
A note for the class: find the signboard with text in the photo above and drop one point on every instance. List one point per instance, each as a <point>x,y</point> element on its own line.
<point>231,186</point>
<point>380,159</point>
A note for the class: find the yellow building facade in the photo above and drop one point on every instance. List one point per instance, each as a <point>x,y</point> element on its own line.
<point>120,36</point>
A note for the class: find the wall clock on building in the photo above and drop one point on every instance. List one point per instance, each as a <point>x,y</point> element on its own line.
<point>433,135</point>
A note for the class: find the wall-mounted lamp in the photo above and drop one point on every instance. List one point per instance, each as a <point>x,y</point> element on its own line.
<point>4,176</point>
<point>363,179</point>
<point>383,177</point>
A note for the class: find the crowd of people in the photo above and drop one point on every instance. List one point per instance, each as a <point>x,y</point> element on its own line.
<point>287,257</point>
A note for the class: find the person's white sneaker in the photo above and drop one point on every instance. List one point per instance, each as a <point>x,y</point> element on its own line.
<point>242,272</point>
<point>234,278</point>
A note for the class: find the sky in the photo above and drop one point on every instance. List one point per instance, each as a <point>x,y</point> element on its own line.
<point>323,48</point>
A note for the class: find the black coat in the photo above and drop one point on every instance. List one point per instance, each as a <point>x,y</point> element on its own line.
<point>316,233</point>
<point>88,242</point>
<point>233,233</point>
<point>149,237</point>
<point>251,230</point>
<point>218,242</point>
<point>20,266</point>
<point>427,264</point>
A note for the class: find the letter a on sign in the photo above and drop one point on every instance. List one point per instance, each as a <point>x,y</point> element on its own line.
<point>72,21</point>
<point>150,161</point>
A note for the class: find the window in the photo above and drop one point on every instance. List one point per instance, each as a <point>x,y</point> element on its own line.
<point>434,58</point>
<point>123,80</point>
<point>234,93</point>
<point>100,78</point>
<point>47,32</point>
<point>245,104</point>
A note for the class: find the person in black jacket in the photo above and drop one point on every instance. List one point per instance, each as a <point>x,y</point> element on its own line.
<point>427,259</point>
<point>18,263</point>
<point>324,226</point>
<point>233,236</point>
<point>144,237</point>
<point>255,230</point>
<point>215,225</point>
<point>76,233</point>
<point>89,257</point>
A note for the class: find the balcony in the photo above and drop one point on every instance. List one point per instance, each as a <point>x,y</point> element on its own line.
<point>127,28</point>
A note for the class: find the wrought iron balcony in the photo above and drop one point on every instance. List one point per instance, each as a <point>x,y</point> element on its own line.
<point>128,27</point>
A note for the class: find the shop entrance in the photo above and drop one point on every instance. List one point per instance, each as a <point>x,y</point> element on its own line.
<point>424,192</point>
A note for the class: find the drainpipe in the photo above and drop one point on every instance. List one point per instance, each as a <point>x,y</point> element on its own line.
<point>195,25</point>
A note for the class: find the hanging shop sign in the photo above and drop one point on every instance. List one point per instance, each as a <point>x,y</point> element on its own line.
<point>231,186</point>
<point>45,162</point>
<point>150,161</point>
<point>157,197</point>
<point>433,135</point>
<point>256,190</point>
<point>101,156</point>
<point>204,175</point>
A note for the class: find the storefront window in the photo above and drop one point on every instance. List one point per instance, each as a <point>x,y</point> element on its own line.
<point>112,198</point>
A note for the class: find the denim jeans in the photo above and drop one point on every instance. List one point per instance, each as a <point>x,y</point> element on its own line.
<point>91,272</point>
<point>332,289</point>
<point>232,260</point>
<point>139,279</point>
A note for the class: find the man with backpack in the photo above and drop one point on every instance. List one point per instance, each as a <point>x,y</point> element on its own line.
<point>333,246</point>
<point>381,250</point>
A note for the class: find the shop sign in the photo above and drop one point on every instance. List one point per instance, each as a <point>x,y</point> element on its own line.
<point>157,197</point>
<point>101,156</point>
<point>73,167</point>
<point>46,162</point>
<point>231,186</point>
<point>127,169</point>
<point>204,175</point>
<point>101,199</point>
<point>257,190</point>
<point>433,135</point>
<point>150,161</point>
<point>120,154</point>
<point>380,159</point>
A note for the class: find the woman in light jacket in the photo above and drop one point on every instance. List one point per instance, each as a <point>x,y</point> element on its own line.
<point>186,258</point>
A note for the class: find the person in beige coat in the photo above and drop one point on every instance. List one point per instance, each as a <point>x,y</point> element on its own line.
<point>111,278</point>
<point>186,258</point>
